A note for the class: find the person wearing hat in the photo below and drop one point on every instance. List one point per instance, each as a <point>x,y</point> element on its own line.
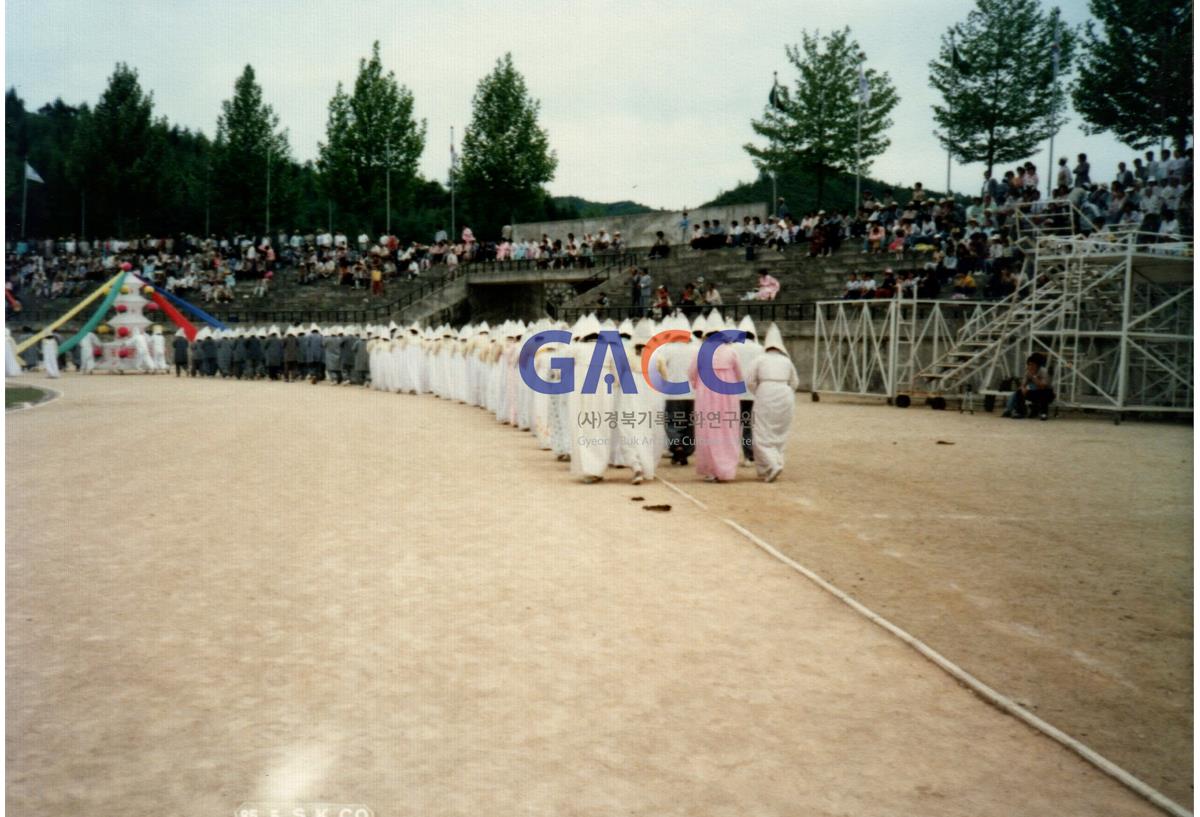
<point>331,353</point>
<point>254,354</point>
<point>587,414</point>
<point>718,427</point>
<point>362,362</point>
<point>643,443</point>
<point>273,353</point>
<point>208,354</point>
<point>237,357</point>
<point>346,359</point>
<point>179,353</point>
<point>158,350</point>
<point>291,356</point>
<point>772,379</point>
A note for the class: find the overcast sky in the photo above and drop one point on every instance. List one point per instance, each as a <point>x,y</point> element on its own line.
<point>643,101</point>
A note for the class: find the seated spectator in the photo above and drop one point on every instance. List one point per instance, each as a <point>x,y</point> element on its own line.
<point>866,286</point>
<point>768,287</point>
<point>887,289</point>
<point>712,297</point>
<point>662,303</point>
<point>1034,391</point>
<point>661,247</point>
<point>875,237</point>
<point>853,289</point>
<point>964,286</point>
<point>687,299</point>
<point>896,247</point>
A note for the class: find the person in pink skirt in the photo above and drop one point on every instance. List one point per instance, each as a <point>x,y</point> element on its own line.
<point>718,428</point>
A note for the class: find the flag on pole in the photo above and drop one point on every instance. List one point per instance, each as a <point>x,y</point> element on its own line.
<point>864,88</point>
<point>32,175</point>
<point>775,98</point>
<point>960,66</point>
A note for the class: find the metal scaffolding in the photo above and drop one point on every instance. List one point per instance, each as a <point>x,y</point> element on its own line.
<point>1111,312</point>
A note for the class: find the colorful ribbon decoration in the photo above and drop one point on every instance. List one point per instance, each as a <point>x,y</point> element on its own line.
<point>189,329</point>
<point>195,310</point>
<point>113,287</point>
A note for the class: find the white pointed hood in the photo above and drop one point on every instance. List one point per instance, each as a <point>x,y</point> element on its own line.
<point>625,329</point>
<point>774,339</point>
<point>747,326</point>
<point>590,326</point>
<point>697,326</point>
<point>714,322</point>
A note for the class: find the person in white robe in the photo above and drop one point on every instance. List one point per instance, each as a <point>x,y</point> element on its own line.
<point>625,331</point>
<point>158,352</point>
<point>12,363</point>
<point>560,436</point>
<point>50,355</point>
<point>773,379</point>
<point>645,441</point>
<point>587,414</point>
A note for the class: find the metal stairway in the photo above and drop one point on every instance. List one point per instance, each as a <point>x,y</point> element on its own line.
<point>1061,296</point>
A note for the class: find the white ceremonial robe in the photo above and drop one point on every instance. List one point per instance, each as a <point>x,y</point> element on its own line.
<point>141,350</point>
<point>12,363</point>
<point>50,357</point>
<point>644,441</point>
<point>588,417</point>
<point>773,380</point>
<point>158,354</point>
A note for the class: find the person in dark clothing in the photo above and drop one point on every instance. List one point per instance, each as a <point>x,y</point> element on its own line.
<point>349,342</point>
<point>362,362</point>
<point>224,353</point>
<point>208,355</point>
<point>333,355</point>
<point>179,350</point>
<point>237,360</point>
<point>291,357</point>
<point>312,354</point>
<point>273,353</point>
<point>254,355</point>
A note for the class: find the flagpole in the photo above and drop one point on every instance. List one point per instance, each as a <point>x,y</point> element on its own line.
<point>388,159</point>
<point>863,89</point>
<point>1053,111</point>
<point>268,185</point>
<point>24,194</point>
<point>452,183</point>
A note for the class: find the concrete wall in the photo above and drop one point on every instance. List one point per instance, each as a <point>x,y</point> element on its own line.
<point>638,230</point>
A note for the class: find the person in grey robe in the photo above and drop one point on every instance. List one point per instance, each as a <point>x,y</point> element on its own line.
<point>208,354</point>
<point>347,362</point>
<point>315,357</point>
<point>291,358</point>
<point>237,358</point>
<point>362,363</point>
<point>273,354</point>
<point>333,355</point>
<point>224,355</point>
<point>254,356</point>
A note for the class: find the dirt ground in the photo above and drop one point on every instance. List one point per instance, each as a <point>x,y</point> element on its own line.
<point>1054,561</point>
<point>223,592</point>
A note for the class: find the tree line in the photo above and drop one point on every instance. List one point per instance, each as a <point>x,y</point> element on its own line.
<point>117,169</point>
<point>1005,75</point>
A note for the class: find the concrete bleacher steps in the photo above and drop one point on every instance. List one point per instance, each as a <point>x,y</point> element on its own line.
<point>801,278</point>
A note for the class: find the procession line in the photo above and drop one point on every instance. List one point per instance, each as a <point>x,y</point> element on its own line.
<point>1000,701</point>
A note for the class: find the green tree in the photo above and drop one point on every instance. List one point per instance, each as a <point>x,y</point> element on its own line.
<point>995,72</point>
<point>115,153</point>
<point>1135,75</point>
<point>815,125</point>
<point>248,146</point>
<point>368,132</point>
<point>506,155</point>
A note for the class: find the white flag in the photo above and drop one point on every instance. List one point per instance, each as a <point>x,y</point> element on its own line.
<point>32,174</point>
<point>864,90</point>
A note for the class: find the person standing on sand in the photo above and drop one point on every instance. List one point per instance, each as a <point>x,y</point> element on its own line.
<point>718,425</point>
<point>773,380</point>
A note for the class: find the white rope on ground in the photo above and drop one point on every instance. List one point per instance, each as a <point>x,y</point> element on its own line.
<point>990,695</point>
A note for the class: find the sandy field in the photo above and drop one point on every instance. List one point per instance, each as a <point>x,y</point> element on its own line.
<point>223,592</point>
